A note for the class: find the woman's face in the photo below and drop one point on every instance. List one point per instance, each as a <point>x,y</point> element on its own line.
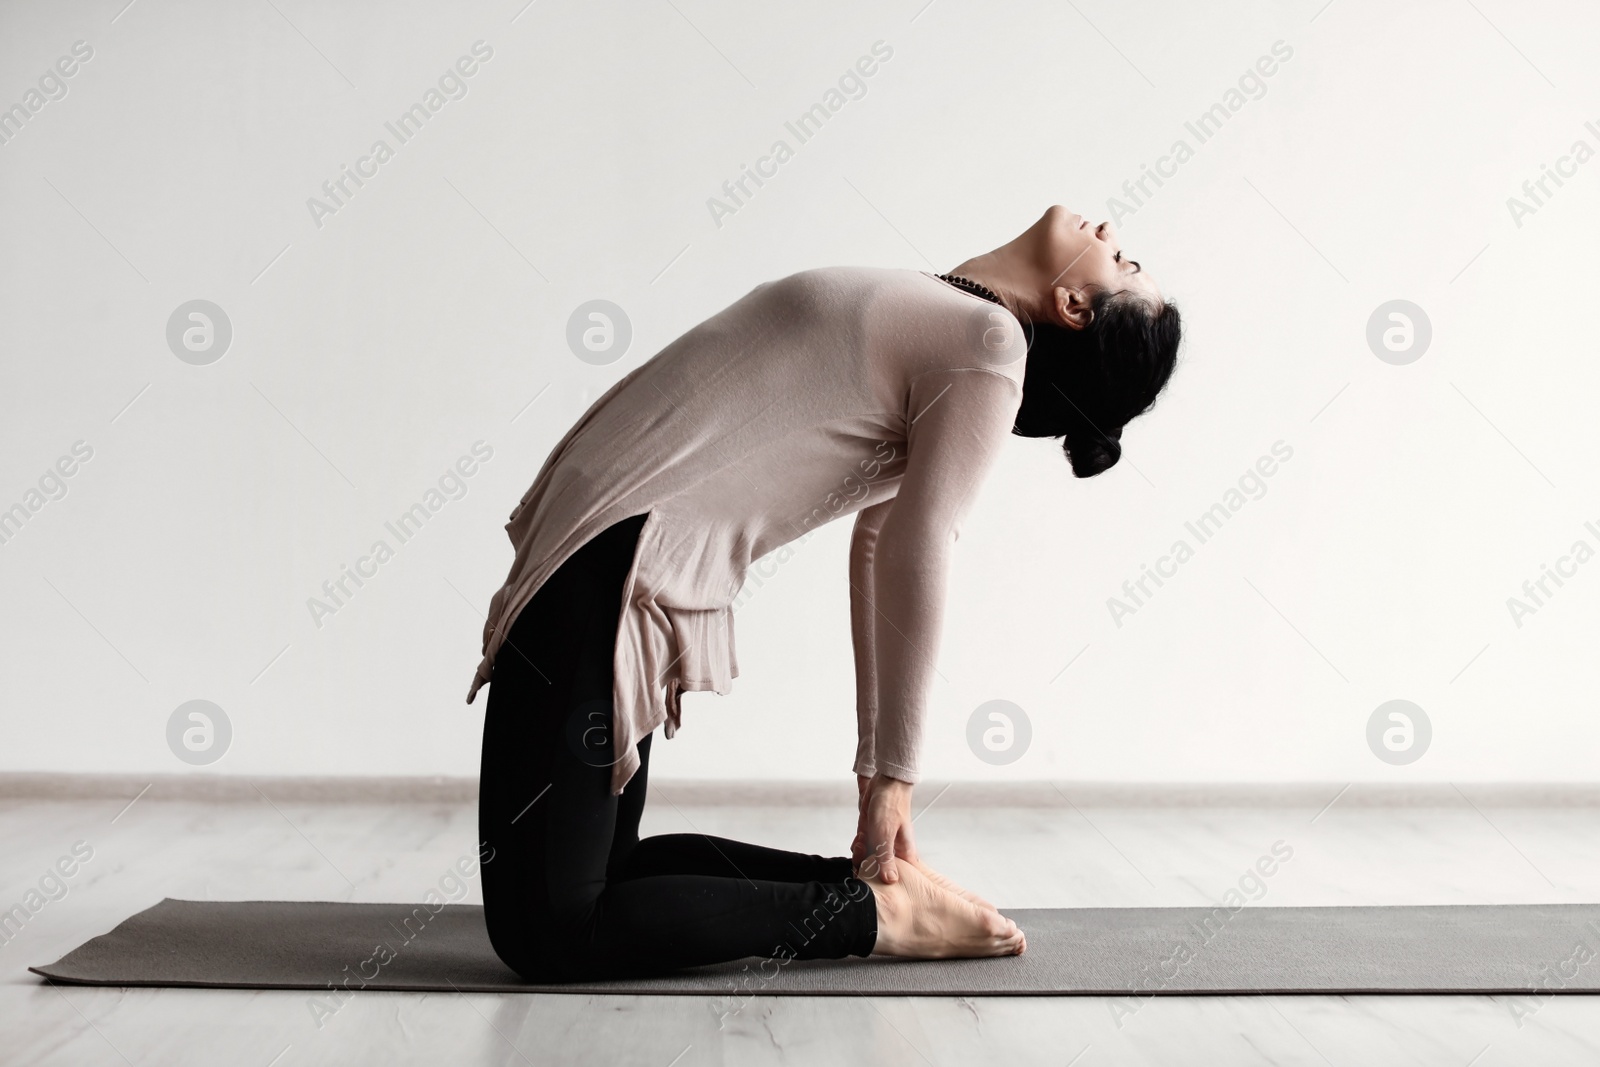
<point>1081,254</point>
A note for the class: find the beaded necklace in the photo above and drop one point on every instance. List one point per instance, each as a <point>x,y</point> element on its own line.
<point>968,285</point>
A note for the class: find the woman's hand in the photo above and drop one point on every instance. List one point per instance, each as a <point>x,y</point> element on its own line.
<point>858,847</point>
<point>883,828</point>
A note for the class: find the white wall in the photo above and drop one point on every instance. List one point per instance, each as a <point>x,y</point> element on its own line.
<point>421,317</point>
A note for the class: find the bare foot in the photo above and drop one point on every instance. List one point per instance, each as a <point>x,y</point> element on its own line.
<point>950,887</point>
<point>918,919</point>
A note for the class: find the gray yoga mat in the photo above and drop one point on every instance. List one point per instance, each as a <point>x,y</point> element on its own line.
<point>1071,951</point>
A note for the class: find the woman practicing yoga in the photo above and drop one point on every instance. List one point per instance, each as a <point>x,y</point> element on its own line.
<point>882,393</point>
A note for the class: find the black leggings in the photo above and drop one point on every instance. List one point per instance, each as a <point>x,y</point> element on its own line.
<point>570,892</point>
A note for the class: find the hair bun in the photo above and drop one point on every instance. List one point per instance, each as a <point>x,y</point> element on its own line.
<point>1091,452</point>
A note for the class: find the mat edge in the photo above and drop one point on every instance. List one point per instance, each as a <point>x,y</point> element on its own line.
<point>580,990</point>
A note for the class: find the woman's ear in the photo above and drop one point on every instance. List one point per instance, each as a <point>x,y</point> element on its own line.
<point>1069,307</point>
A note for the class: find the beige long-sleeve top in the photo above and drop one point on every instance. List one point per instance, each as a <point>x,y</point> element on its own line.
<point>844,390</point>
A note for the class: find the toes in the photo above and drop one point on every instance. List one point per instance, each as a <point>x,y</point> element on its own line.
<point>946,884</point>
<point>997,925</point>
<point>974,899</point>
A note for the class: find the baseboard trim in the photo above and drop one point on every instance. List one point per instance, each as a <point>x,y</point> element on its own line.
<point>200,786</point>
<point>45,786</point>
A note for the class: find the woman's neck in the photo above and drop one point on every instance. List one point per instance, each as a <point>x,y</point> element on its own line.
<point>1011,281</point>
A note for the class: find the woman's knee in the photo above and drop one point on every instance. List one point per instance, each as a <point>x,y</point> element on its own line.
<point>544,948</point>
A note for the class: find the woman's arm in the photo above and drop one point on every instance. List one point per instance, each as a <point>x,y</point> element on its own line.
<point>958,420</point>
<point>863,544</point>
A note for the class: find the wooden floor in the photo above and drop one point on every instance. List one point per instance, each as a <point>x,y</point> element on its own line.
<point>1461,848</point>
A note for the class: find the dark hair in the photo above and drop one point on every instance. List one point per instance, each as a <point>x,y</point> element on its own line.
<point>1085,385</point>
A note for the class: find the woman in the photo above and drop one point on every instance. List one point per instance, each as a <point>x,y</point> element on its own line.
<point>883,393</point>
